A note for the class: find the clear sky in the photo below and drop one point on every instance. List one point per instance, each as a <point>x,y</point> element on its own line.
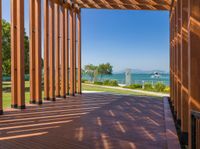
<point>126,39</point>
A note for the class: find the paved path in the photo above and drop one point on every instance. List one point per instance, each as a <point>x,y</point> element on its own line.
<point>90,121</point>
<point>132,90</point>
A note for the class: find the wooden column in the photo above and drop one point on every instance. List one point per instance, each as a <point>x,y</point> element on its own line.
<point>51,52</point>
<point>38,58</point>
<point>57,49</point>
<point>75,49</point>
<point>184,73</point>
<point>79,53</point>
<point>14,53</point>
<point>32,50</point>
<point>71,52</point>
<point>46,49</point>
<point>1,97</point>
<point>194,62</point>
<point>62,46</point>
<point>67,49</point>
<point>20,55</point>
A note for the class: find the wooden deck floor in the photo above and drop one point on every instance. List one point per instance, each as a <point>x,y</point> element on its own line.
<point>89,121</point>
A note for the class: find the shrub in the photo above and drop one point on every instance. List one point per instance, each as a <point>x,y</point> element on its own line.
<point>167,89</point>
<point>135,86</point>
<point>84,80</point>
<point>148,86</point>
<point>98,83</point>
<point>110,83</point>
<point>160,87</point>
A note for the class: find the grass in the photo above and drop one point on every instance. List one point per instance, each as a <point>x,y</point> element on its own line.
<point>85,87</point>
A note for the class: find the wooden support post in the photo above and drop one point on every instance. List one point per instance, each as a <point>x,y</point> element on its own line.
<point>14,53</point>
<point>32,50</point>
<point>67,49</point>
<point>51,52</point>
<point>75,48</point>
<point>46,49</point>
<point>20,55</point>
<point>57,49</point>
<point>79,53</point>
<point>62,46</point>
<point>38,58</point>
<point>194,64</point>
<point>184,73</point>
<point>1,97</point>
<point>71,52</point>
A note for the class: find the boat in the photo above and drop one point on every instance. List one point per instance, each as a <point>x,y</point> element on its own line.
<point>155,75</point>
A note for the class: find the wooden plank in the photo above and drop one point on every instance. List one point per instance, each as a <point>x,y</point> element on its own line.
<point>75,49</point>
<point>67,49</point>
<point>51,53</point>
<point>13,53</point>
<point>62,46</point>
<point>71,53</point>
<point>46,49</point>
<point>38,57</point>
<point>57,50</point>
<point>32,50</point>
<point>20,55</point>
<point>79,52</point>
<point>1,97</point>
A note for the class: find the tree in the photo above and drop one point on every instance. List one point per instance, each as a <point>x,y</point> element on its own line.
<point>6,49</point>
<point>91,71</point>
<point>105,69</point>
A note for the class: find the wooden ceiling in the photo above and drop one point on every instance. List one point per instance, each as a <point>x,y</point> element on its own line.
<point>125,4</point>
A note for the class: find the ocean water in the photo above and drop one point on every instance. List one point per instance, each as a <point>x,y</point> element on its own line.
<point>135,78</point>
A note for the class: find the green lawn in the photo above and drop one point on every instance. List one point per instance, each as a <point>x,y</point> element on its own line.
<point>86,87</point>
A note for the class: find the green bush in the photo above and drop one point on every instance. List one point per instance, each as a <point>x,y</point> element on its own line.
<point>84,80</point>
<point>135,86</point>
<point>167,89</point>
<point>110,83</point>
<point>98,83</point>
<point>148,86</point>
<point>159,87</point>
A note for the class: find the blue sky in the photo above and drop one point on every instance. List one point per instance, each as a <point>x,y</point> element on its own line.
<point>126,39</point>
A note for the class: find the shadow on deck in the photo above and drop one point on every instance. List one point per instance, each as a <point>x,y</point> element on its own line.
<point>89,121</point>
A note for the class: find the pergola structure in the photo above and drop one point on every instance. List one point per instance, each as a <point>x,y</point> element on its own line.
<point>62,53</point>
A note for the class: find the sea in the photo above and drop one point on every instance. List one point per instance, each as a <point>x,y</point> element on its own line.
<point>136,78</point>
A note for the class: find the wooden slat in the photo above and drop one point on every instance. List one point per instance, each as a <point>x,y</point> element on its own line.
<point>51,52</point>
<point>46,49</point>
<point>32,49</point>
<point>1,100</point>
<point>67,49</point>
<point>75,49</point>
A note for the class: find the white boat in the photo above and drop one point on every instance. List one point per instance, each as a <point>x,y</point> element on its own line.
<point>155,75</point>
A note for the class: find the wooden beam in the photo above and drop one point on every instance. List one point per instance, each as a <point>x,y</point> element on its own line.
<point>75,49</point>
<point>46,49</point>
<point>67,49</point>
<point>57,50</point>
<point>79,53</point>
<point>38,57</point>
<point>20,55</point>
<point>71,53</point>
<point>13,53</point>
<point>1,97</point>
<point>62,46</point>
<point>32,50</point>
<point>51,52</point>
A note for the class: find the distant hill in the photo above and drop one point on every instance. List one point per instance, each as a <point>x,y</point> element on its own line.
<point>139,71</point>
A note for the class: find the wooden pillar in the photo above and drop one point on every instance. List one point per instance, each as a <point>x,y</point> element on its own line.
<point>75,49</point>
<point>20,55</point>
<point>67,49</point>
<point>71,52</point>
<point>46,49</point>
<point>184,73</point>
<point>62,46</point>
<point>194,62</point>
<point>32,50</point>
<point>51,52</point>
<point>14,53</point>
<point>79,53</point>
<point>57,50</point>
<point>1,97</point>
<point>38,58</point>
